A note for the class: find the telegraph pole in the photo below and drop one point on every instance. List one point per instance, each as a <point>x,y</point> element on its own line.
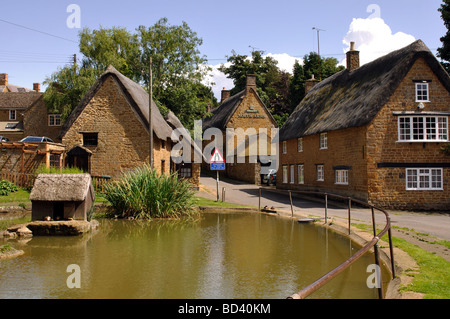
<point>318,51</point>
<point>150,125</point>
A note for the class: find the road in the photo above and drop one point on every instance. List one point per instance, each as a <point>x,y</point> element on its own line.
<point>434,224</point>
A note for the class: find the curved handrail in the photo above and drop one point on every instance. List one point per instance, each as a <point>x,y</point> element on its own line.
<point>305,292</point>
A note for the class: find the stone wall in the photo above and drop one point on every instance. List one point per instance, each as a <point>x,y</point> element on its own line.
<point>36,122</point>
<point>122,138</point>
<point>387,186</point>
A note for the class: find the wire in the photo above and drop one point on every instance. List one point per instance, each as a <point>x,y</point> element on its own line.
<point>34,30</point>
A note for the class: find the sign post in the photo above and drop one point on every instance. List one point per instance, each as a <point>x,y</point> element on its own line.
<point>217,163</point>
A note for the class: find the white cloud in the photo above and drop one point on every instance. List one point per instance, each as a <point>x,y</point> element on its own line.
<point>374,38</point>
<point>285,61</point>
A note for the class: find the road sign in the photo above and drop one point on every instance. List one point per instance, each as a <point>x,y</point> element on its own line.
<point>217,157</point>
<point>217,166</point>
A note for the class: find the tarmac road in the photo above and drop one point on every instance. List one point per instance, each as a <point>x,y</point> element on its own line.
<point>434,224</point>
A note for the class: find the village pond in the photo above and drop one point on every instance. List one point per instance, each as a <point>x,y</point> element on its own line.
<point>219,256</point>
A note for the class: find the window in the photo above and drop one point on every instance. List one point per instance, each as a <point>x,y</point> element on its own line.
<point>424,179</point>
<point>292,175</point>
<point>90,139</point>
<point>423,129</point>
<point>422,94</point>
<point>284,147</point>
<point>55,160</point>
<point>12,115</point>
<point>301,174</point>
<point>341,177</point>
<point>54,120</point>
<point>300,145</point>
<point>184,170</point>
<point>320,176</point>
<point>323,141</point>
<point>285,174</point>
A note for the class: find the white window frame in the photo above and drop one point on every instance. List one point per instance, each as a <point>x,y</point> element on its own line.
<point>320,173</point>
<point>284,147</point>
<point>424,179</point>
<point>300,145</point>
<point>301,173</point>
<point>324,141</point>
<point>423,128</point>
<point>292,174</point>
<point>285,173</point>
<point>422,87</point>
<point>12,115</point>
<point>341,177</point>
<point>56,118</point>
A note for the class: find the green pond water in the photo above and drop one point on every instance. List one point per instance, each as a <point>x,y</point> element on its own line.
<point>226,256</point>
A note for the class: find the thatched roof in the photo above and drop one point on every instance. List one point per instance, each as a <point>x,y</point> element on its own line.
<point>352,99</point>
<point>62,188</point>
<point>137,97</point>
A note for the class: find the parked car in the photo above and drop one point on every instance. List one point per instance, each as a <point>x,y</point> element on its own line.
<point>36,139</point>
<point>270,178</point>
<point>4,139</point>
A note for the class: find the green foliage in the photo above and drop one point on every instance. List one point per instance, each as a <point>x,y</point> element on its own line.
<point>42,169</point>
<point>444,51</point>
<point>5,248</point>
<point>280,91</point>
<point>6,188</point>
<point>143,194</point>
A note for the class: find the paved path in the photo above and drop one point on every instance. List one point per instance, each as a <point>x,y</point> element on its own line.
<point>437,225</point>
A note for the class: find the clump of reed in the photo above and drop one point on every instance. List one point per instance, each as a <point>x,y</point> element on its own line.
<point>144,194</point>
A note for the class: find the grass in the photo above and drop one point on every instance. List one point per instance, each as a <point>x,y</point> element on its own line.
<point>201,201</point>
<point>433,277</point>
<point>21,196</point>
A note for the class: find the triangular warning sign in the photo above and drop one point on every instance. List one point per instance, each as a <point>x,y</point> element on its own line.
<point>217,157</point>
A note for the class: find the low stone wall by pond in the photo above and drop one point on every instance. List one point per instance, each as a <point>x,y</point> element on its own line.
<point>50,228</point>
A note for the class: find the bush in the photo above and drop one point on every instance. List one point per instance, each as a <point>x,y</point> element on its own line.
<point>6,187</point>
<point>143,194</point>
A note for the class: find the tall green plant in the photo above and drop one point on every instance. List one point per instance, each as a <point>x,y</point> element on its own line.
<point>143,194</point>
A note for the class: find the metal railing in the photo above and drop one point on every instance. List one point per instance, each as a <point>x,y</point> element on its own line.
<point>305,292</point>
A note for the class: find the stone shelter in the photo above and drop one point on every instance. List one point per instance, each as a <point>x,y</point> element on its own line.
<point>62,197</point>
<point>241,116</point>
<point>108,132</point>
<point>374,132</point>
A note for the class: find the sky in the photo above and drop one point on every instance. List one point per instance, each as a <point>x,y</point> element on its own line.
<point>38,37</point>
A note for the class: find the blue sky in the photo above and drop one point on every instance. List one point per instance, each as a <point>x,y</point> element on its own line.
<point>282,28</point>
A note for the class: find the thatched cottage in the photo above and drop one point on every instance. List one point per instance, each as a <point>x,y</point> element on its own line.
<point>108,132</point>
<point>245,114</point>
<point>374,132</point>
<point>62,196</point>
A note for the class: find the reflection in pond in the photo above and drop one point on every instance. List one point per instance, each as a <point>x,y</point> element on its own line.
<point>218,256</point>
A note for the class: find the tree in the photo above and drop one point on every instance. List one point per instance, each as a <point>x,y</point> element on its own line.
<point>178,67</point>
<point>66,88</point>
<point>444,51</point>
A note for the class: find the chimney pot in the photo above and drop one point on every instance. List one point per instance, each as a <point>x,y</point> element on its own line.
<point>3,78</point>
<point>37,87</point>
<point>352,58</point>
<point>310,84</point>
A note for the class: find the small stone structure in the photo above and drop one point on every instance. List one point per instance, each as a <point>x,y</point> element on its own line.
<point>62,197</point>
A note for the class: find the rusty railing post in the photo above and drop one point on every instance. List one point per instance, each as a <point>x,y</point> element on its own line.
<point>292,208</point>
<point>349,214</point>
<point>326,208</point>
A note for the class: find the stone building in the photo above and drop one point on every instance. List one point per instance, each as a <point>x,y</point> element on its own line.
<point>108,132</point>
<point>374,133</point>
<point>250,122</point>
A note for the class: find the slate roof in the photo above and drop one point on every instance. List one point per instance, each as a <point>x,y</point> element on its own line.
<point>351,99</point>
<point>136,96</point>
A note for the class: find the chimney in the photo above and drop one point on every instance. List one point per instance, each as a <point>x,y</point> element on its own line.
<point>352,58</point>
<point>251,82</point>
<point>37,87</point>
<point>225,95</point>
<point>309,84</point>
<point>3,78</point>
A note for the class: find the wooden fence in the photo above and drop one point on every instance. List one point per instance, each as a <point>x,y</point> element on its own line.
<point>20,179</point>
